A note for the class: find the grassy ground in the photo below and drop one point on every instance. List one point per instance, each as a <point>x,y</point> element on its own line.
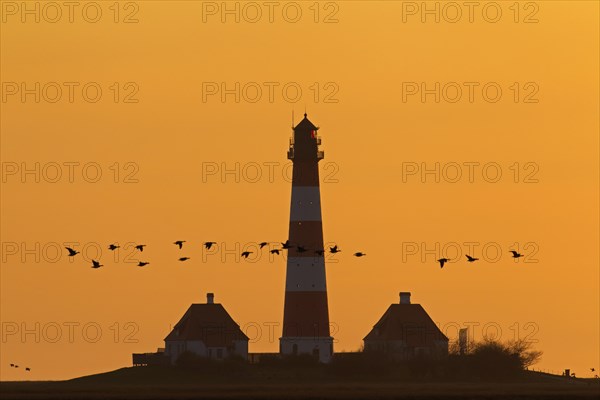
<point>166,383</point>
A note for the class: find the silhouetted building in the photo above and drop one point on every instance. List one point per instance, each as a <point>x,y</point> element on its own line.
<point>406,331</point>
<point>306,314</point>
<point>206,330</point>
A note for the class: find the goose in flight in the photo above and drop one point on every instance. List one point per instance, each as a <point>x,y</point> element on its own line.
<point>71,251</point>
<point>516,254</point>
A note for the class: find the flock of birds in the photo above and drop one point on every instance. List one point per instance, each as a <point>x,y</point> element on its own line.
<point>284,246</point>
<point>245,254</point>
<point>470,259</point>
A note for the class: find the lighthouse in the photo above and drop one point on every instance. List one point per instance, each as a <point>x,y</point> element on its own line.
<point>306,314</point>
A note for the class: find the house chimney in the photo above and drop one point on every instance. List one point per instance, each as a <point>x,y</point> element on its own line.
<point>210,298</point>
<point>404,297</point>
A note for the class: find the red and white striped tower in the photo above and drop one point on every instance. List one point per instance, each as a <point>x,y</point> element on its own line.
<point>306,314</point>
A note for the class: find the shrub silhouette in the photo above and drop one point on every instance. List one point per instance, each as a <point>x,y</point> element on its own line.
<point>487,360</point>
<point>492,359</point>
<point>188,359</point>
<point>229,366</point>
<point>360,364</point>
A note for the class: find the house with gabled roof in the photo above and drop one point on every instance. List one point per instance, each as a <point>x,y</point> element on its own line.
<point>206,330</point>
<point>406,331</point>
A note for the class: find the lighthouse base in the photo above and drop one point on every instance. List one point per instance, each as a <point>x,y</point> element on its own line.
<point>320,347</point>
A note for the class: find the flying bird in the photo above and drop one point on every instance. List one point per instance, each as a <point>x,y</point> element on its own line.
<point>140,247</point>
<point>471,259</point>
<point>143,264</point>
<point>184,258</point>
<point>12,365</point>
<point>208,245</point>
<point>113,247</point>
<point>320,252</point>
<point>359,254</point>
<point>442,261</point>
<point>179,243</point>
<point>27,369</point>
<point>592,369</point>
<point>71,251</point>
<point>275,251</point>
<point>263,244</point>
<point>16,366</point>
<point>245,254</point>
<point>96,264</point>
<point>300,249</point>
<point>334,249</point>
<point>286,245</point>
<point>516,254</point>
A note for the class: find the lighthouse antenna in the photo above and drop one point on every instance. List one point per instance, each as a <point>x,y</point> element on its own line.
<point>292,119</point>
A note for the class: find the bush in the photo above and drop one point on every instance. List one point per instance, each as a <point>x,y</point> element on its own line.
<point>492,359</point>
<point>188,359</point>
<point>523,349</point>
<point>421,366</point>
<point>231,365</point>
<point>360,364</point>
<point>288,362</point>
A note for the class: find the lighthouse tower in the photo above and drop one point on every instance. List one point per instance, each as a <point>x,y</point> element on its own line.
<point>306,314</point>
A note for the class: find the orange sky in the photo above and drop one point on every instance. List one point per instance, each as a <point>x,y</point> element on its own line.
<point>372,130</point>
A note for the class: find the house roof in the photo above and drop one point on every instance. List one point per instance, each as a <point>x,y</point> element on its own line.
<point>408,322</point>
<point>209,323</point>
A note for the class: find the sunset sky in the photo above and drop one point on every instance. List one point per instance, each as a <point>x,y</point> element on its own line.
<point>190,135</point>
